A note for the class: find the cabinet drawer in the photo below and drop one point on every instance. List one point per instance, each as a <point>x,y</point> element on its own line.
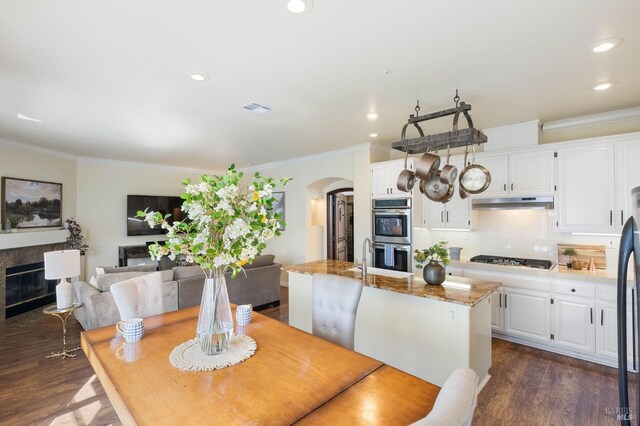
<point>609,292</point>
<point>575,289</point>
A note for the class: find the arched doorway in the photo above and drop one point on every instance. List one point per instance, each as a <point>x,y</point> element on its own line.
<point>340,224</point>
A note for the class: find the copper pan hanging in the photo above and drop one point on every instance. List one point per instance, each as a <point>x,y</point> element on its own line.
<point>461,191</point>
<point>475,178</point>
<point>407,178</point>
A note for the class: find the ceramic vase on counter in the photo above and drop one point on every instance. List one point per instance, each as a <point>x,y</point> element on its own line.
<point>434,273</point>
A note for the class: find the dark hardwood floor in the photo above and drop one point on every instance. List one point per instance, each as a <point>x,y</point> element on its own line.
<point>528,386</point>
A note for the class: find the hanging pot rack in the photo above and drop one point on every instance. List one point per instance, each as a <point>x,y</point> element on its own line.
<point>453,139</point>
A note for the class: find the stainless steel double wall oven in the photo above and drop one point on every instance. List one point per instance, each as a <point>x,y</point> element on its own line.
<point>392,233</point>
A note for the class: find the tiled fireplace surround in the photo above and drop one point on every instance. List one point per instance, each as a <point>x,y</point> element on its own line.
<point>20,256</point>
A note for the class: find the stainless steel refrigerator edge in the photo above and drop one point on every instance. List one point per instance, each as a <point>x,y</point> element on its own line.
<point>629,245</point>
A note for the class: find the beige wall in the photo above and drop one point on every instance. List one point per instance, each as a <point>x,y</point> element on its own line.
<point>24,163</point>
<point>304,239</point>
<point>103,187</point>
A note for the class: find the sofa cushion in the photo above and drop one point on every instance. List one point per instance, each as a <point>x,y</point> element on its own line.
<point>260,261</point>
<point>133,268</point>
<point>184,272</point>
<point>167,275</point>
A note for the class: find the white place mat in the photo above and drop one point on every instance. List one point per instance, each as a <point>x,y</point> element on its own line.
<point>189,357</point>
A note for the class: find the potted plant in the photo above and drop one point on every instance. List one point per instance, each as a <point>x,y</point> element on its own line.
<point>76,241</point>
<point>227,226</point>
<point>575,264</point>
<point>434,271</point>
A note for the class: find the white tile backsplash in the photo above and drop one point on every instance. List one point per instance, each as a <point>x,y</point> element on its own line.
<point>514,233</point>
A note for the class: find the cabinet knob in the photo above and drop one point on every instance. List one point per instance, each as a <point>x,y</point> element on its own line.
<point>573,290</point>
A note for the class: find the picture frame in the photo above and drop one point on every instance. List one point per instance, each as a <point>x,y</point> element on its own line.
<point>31,203</point>
<point>279,206</point>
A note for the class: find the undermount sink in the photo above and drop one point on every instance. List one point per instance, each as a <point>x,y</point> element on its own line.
<point>384,272</point>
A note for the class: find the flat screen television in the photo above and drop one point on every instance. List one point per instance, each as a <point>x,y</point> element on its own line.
<point>162,204</point>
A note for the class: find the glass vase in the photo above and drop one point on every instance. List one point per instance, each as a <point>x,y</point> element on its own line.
<point>215,323</point>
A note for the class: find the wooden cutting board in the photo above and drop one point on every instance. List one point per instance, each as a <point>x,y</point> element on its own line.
<point>585,252</point>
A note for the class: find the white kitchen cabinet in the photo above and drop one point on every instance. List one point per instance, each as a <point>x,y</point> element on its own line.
<point>522,174</point>
<point>498,166</point>
<point>527,314</point>
<point>607,331</point>
<point>574,323</point>
<point>456,214</point>
<point>628,169</point>
<point>531,174</point>
<point>586,188</point>
<point>384,178</point>
<point>497,318</point>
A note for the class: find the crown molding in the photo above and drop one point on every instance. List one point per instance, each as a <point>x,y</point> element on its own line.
<point>319,156</point>
<point>138,165</point>
<point>10,143</point>
<point>608,117</point>
<point>13,144</point>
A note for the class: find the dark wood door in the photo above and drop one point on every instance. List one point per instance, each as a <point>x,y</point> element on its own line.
<point>340,218</point>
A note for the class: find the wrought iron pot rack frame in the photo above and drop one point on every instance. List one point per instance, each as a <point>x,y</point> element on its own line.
<point>453,139</point>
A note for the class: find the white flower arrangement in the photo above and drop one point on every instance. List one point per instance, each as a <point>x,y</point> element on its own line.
<point>227,226</point>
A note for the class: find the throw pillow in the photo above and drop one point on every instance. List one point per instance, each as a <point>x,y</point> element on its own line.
<point>94,282</point>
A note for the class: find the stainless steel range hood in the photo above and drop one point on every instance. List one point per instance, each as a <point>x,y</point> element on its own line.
<point>513,203</point>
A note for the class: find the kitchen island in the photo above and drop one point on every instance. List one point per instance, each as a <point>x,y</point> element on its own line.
<point>425,330</point>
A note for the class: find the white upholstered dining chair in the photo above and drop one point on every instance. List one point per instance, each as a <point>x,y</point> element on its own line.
<point>335,302</point>
<point>456,401</point>
<point>139,297</point>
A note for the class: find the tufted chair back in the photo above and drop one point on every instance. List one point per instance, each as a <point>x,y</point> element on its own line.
<point>335,303</point>
<point>456,401</point>
<point>139,297</point>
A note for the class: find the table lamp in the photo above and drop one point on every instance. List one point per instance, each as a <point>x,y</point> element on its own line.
<point>61,265</point>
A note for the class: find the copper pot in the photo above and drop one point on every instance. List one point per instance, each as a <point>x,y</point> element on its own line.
<point>427,165</point>
<point>435,190</point>
<point>406,180</point>
<point>449,173</point>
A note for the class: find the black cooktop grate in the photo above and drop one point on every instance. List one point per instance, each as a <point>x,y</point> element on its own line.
<point>513,261</point>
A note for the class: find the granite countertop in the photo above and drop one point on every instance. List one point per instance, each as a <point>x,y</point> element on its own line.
<point>602,276</point>
<point>414,285</point>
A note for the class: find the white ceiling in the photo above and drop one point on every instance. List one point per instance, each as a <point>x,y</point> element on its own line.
<point>110,78</point>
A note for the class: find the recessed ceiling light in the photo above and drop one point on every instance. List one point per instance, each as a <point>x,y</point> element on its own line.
<point>27,118</point>
<point>373,135</point>
<point>198,77</point>
<point>372,115</point>
<point>299,6</point>
<point>605,45</point>
<point>603,86</point>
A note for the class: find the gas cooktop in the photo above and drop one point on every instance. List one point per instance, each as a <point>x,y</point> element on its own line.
<point>513,261</point>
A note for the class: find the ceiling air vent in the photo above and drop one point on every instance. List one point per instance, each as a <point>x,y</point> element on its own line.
<point>255,108</point>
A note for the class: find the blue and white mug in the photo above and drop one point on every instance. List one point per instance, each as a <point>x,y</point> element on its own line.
<point>243,314</point>
<point>132,329</point>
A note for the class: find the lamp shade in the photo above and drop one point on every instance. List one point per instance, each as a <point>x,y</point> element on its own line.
<point>61,264</point>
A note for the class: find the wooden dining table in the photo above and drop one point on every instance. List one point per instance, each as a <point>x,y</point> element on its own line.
<point>294,377</point>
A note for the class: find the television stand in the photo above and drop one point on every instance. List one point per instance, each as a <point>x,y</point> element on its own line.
<point>132,252</point>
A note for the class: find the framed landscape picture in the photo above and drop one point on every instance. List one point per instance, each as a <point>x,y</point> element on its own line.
<point>278,206</point>
<point>31,203</point>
